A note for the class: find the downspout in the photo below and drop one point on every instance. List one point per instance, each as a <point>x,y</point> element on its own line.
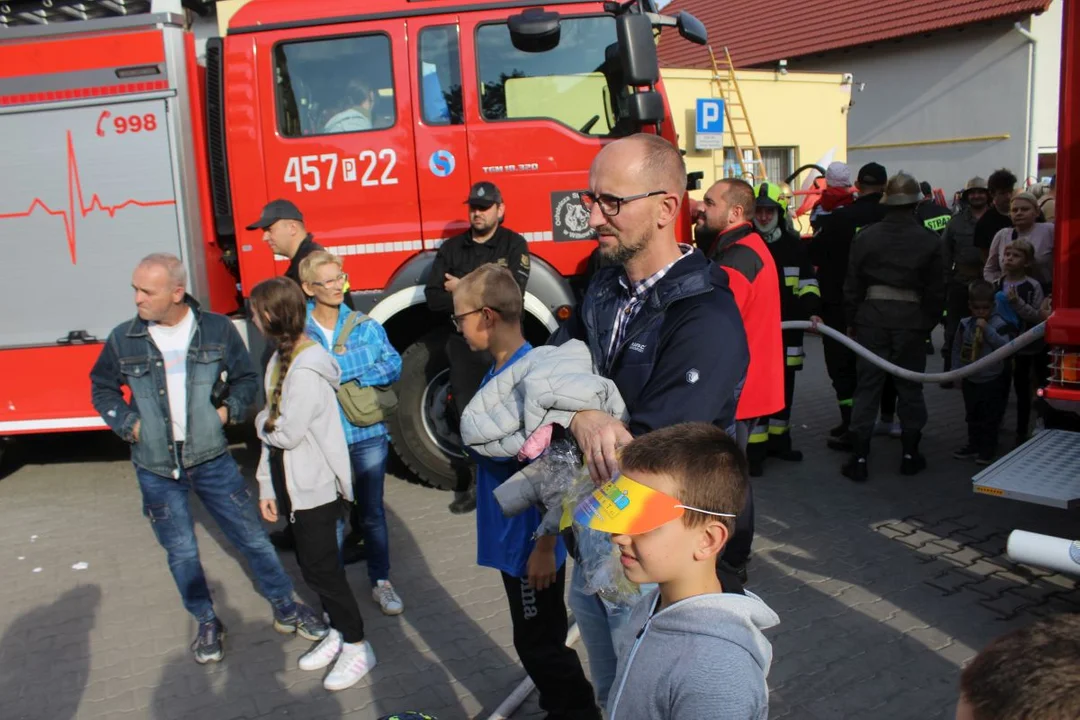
<point>1033,147</point>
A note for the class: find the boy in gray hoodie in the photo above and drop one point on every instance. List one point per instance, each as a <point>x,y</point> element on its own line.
<point>690,649</point>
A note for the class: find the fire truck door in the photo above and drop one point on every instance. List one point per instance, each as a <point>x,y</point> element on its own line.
<point>339,142</point>
<point>86,193</point>
<point>442,152</point>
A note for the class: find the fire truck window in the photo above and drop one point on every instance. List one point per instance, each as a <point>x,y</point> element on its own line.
<point>577,83</point>
<point>440,76</point>
<point>327,87</point>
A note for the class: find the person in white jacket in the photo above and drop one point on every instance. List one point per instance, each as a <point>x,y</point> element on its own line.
<point>304,472</point>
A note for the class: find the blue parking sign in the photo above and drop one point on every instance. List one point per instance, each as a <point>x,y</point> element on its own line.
<point>709,125</point>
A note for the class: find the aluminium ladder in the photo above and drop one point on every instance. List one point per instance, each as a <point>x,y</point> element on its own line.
<point>738,122</point>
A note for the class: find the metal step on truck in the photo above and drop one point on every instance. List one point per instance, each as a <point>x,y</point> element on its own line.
<point>123,136</point>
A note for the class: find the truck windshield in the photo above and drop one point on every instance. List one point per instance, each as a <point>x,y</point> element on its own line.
<point>577,83</point>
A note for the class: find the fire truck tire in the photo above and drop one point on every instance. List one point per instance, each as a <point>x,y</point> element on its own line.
<point>419,431</point>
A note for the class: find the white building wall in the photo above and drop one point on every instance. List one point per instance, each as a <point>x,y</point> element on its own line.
<point>1047,29</point>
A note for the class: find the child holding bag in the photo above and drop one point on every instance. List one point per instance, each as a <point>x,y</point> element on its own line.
<point>304,472</point>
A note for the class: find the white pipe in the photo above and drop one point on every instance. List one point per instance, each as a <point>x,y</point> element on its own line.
<point>514,700</point>
<point>1033,145</point>
<point>998,355</point>
<point>1047,551</point>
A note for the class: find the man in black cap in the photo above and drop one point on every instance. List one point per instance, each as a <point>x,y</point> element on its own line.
<point>932,215</point>
<point>892,300</point>
<point>829,252</point>
<point>486,241</point>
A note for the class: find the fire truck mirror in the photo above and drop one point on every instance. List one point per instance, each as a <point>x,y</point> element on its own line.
<point>692,29</point>
<point>534,30</point>
<point>638,49</point>
<point>646,108</point>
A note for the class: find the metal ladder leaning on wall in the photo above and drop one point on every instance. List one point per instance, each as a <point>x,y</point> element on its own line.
<point>738,121</point>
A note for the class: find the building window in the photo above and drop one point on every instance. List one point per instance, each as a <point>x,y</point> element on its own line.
<point>326,87</point>
<point>440,76</point>
<point>780,162</point>
<point>575,83</point>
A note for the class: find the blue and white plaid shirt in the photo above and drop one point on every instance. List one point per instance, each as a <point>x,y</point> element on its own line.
<point>634,298</point>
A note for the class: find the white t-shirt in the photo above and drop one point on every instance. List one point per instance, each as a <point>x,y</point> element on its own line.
<point>173,342</point>
<point>327,333</point>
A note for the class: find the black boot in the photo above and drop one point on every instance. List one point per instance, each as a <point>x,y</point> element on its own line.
<point>838,437</point>
<point>856,468</point>
<point>755,458</point>
<point>780,447</point>
<point>948,384</point>
<point>464,501</point>
<point>913,462</point>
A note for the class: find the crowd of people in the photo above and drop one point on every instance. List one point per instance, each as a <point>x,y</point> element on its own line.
<point>690,341</point>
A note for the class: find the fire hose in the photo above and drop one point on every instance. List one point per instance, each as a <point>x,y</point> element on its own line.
<point>522,691</point>
<point>1012,347</point>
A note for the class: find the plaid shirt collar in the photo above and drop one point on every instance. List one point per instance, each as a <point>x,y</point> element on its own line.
<point>639,288</point>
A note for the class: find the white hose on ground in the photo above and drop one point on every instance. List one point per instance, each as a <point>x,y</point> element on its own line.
<point>1013,346</point>
<point>1052,553</point>
<point>513,701</point>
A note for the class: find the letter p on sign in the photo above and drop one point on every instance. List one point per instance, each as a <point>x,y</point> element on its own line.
<point>709,128</point>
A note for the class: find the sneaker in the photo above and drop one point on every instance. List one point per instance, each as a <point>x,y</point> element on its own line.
<point>912,464</point>
<point>322,654</point>
<point>388,599</point>
<point>209,643</point>
<point>354,662</point>
<point>985,459</point>
<point>304,622</point>
<point>966,453</point>
<point>895,431</point>
<point>464,502</point>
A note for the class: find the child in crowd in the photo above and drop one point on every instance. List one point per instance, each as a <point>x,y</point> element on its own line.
<point>487,312</point>
<point>1029,674</point>
<point>1024,296</point>
<point>986,391</point>
<point>304,472</point>
<point>690,649</point>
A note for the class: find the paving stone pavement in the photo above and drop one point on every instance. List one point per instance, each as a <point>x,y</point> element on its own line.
<point>884,591</point>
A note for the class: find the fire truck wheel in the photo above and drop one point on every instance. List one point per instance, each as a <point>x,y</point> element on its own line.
<point>422,436</point>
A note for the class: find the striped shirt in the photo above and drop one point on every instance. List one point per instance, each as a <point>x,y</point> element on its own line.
<point>634,295</point>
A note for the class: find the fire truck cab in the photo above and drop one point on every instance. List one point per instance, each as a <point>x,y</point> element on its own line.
<point>373,116</point>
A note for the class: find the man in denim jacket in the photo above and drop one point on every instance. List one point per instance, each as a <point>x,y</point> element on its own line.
<point>171,356</point>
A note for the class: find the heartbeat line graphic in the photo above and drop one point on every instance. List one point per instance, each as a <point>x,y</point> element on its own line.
<point>77,206</point>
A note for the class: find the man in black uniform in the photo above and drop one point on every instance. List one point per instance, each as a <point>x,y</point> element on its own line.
<point>894,293</point>
<point>829,252</point>
<point>933,216</point>
<point>486,241</point>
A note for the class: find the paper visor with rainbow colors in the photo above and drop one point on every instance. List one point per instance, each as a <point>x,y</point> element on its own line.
<point>626,507</point>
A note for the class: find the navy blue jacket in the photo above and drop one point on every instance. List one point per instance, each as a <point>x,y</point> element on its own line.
<point>684,355</point>
<point>129,357</point>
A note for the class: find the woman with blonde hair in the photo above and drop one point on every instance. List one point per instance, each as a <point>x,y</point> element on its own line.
<point>369,363</point>
<point>304,472</point>
<point>1024,212</point>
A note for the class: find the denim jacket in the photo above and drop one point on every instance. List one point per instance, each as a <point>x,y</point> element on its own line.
<point>130,358</point>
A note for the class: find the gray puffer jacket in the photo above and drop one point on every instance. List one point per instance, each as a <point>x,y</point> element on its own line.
<point>546,386</point>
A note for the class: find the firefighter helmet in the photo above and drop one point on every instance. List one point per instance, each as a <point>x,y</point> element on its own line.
<point>770,195</point>
<point>975,183</point>
<point>902,189</point>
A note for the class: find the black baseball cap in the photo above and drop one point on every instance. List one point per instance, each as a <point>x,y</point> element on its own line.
<point>484,195</point>
<point>926,189</point>
<point>873,174</point>
<point>276,210</point>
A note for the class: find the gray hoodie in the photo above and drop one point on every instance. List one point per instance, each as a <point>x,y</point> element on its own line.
<point>317,465</point>
<point>703,657</point>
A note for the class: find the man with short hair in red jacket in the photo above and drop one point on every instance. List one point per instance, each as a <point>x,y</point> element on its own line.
<point>725,232</point>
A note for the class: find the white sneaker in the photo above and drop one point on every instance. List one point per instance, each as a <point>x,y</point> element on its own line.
<point>895,430</point>
<point>322,654</point>
<point>388,599</point>
<point>355,661</point>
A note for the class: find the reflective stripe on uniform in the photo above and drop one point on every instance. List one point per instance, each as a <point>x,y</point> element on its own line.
<point>791,277</point>
<point>778,426</point>
<point>846,403</point>
<point>794,355</point>
<point>759,433</point>
<point>808,287</point>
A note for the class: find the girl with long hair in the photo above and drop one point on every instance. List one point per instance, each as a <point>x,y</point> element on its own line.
<point>304,472</point>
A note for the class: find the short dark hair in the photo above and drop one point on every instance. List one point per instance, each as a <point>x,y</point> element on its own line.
<point>1029,674</point>
<point>1001,180</point>
<point>981,291</point>
<point>704,461</point>
<point>494,286</point>
<point>740,193</point>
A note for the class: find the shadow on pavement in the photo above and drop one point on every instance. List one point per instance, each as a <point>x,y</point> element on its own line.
<point>45,657</point>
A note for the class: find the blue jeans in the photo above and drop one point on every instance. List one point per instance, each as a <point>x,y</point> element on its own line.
<point>598,624</point>
<point>234,507</point>
<point>369,473</point>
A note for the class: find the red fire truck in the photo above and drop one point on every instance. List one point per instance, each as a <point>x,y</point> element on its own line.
<point>119,142</point>
<point>1046,469</point>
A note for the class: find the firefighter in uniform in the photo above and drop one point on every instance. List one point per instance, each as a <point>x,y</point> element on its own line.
<point>895,290</point>
<point>933,216</point>
<point>829,250</point>
<point>800,299</point>
<point>486,241</point>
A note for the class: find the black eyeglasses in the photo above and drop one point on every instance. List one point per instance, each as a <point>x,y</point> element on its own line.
<point>456,319</point>
<point>610,205</point>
